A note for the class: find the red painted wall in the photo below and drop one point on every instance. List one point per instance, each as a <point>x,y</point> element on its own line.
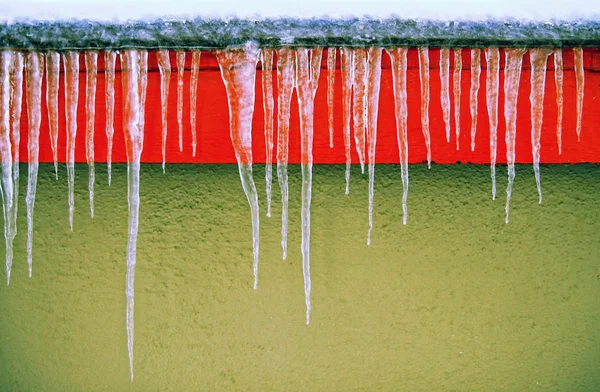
<point>214,144</point>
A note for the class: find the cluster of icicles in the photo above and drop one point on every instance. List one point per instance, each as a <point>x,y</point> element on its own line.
<point>297,68</point>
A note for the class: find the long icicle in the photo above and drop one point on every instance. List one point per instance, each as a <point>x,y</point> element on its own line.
<point>134,64</point>
<point>474,91</point>
<point>373,83</point>
<point>512,77</point>
<point>492,58</point>
<point>456,90</point>
<point>91,65</point>
<point>424,78</point>
<point>194,96</point>
<point>238,69</point>
<point>398,57</point>
<point>110,58</point>
<point>539,58</point>
<point>16,105</point>
<point>285,88</point>
<point>308,68</point>
<point>35,73</point>
<point>580,76</point>
<point>164,66</point>
<point>347,67</point>
<point>6,63</point>
<point>71,64</point>
<point>331,54</point>
<point>558,80</point>
<point>52,81</point>
<point>445,88</point>
<point>180,59</point>
<point>268,107</point>
<point>359,107</point>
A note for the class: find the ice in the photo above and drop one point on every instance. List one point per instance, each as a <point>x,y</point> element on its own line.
<point>445,88</point>
<point>580,77</point>
<point>308,67</point>
<point>6,65</point>
<point>424,78</point>
<point>194,96</point>
<point>492,58</point>
<point>347,67</point>
<point>71,64</point>
<point>109,64</point>
<point>398,57</point>
<point>268,107</point>
<point>16,105</point>
<point>285,88</point>
<point>331,54</point>
<point>512,76</point>
<point>539,58</point>
<point>359,107</point>
<point>134,66</point>
<point>373,83</point>
<point>91,65</point>
<point>180,56</point>
<point>238,69</point>
<point>35,73</point>
<point>456,84</point>
<point>52,79</point>
<point>164,66</point>
<point>475,75</point>
<point>558,80</point>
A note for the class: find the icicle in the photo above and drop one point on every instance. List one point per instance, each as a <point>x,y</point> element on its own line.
<point>164,66</point>
<point>35,71</point>
<point>268,106</point>
<point>492,58</point>
<point>456,82</point>
<point>475,75</point>
<point>539,58</point>
<point>16,104</point>
<point>6,64</point>
<point>445,88</point>
<point>134,64</point>
<point>180,55</point>
<point>558,80</point>
<point>347,67</point>
<point>359,107</point>
<point>580,76</point>
<point>398,57</point>
<point>194,96</point>
<point>71,64</point>
<point>424,77</point>
<point>331,52</point>
<point>238,69</point>
<point>91,65</point>
<point>308,68</point>
<point>52,79</point>
<point>109,64</point>
<point>373,83</point>
<point>512,76</point>
<point>285,88</point>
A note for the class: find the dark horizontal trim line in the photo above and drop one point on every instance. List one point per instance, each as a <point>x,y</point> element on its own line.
<point>357,32</point>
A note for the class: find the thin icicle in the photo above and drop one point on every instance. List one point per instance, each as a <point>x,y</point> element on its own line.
<point>347,67</point>
<point>180,55</point>
<point>134,65</point>
<point>194,96</point>
<point>6,64</point>
<point>492,58</point>
<point>238,69</point>
<point>373,83</point>
<point>285,88</point>
<point>398,57</point>
<point>512,77</point>
<point>445,88</point>
<point>91,65</point>
<point>16,105</point>
<point>424,78</point>
<point>268,107</point>
<point>331,52</point>
<point>539,58</point>
<point>308,68</point>
<point>456,84</point>
<point>71,64</point>
<point>475,75</point>
<point>52,79</point>
<point>35,73</point>
<point>580,76</point>
<point>110,58</point>
<point>359,107</point>
<point>558,80</point>
<point>164,66</point>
